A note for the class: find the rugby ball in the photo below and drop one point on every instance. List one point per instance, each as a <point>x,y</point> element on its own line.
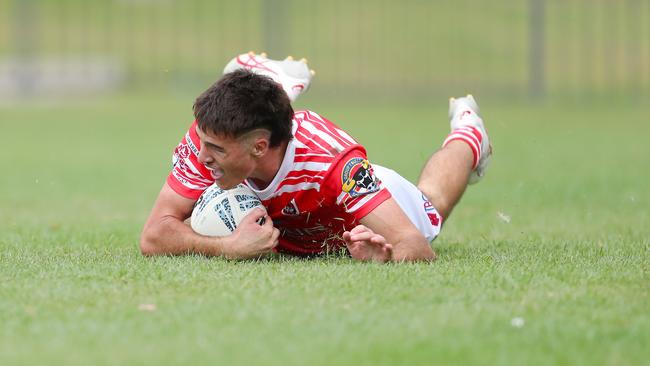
<point>218,211</point>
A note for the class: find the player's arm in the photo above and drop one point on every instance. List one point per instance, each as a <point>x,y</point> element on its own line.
<point>387,233</point>
<point>165,232</point>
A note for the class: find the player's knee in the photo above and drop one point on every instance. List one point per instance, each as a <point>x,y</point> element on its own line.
<point>438,199</point>
<point>428,192</point>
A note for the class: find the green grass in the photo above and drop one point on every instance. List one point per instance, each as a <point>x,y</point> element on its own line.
<point>572,261</point>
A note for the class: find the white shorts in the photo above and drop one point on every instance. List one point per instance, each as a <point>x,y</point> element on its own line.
<point>416,206</point>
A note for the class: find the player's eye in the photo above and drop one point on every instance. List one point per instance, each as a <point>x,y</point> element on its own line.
<point>215,148</point>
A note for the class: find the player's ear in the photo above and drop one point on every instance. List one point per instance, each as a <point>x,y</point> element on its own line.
<point>259,142</point>
<point>260,146</point>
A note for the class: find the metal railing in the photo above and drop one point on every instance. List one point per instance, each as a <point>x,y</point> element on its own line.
<point>371,47</point>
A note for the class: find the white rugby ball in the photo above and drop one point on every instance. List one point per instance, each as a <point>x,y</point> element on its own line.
<point>218,211</point>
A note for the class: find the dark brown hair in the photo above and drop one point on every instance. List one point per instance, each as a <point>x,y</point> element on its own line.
<point>242,101</point>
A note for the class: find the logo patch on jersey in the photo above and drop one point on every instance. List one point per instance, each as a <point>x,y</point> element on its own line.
<point>358,178</point>
<point>181,153</point>
<point>291,209</point>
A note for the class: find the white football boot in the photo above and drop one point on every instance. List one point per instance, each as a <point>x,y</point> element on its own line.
<point>464,112</point>
<point>294,76</point>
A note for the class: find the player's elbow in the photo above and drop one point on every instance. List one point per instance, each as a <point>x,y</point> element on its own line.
<point>148,239</point>
<point>430,256</point>
<point>423,254</point>
<point>417,250</point>
<point>426,252</point>
<point>147,248</point>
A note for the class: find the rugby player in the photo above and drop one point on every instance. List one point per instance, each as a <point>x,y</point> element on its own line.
<point>320,191</point>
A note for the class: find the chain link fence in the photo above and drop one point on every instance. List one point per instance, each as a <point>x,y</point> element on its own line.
<point>363,48</point>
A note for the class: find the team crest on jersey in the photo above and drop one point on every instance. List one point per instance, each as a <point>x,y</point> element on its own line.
<point>358,178</point>
<point>291,209</point>
<point>181,153</point>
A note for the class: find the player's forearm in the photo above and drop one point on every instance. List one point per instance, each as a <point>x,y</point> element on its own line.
<point>413,248</point>
<point>170,236</point>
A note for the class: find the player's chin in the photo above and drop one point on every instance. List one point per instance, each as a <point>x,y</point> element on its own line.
<point>225,185</point>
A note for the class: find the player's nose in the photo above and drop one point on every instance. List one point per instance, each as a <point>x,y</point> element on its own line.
<point>204,157</point>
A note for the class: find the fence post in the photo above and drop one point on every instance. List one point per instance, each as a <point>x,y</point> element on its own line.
<point>23,25</point>
<point>536,49</point>
<point>275,24</point>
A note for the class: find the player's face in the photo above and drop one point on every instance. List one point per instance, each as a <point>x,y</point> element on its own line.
<point>230,159</point>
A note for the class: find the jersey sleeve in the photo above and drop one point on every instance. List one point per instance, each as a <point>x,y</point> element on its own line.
<point>189,177</point>
<point>358,190</point>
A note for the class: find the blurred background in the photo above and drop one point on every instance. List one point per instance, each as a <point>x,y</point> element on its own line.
<point>554,78</point>
<point>102,91</point>
<point>364,49</point>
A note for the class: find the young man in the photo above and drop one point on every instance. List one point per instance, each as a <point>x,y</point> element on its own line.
<point>319,189</point>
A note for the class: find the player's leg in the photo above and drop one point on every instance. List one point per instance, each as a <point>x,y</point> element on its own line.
<point>294,76</point>
<point>462,160</point>
<point>446,175</point>
<point>419,209</point>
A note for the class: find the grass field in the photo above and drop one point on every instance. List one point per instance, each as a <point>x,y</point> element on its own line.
<point>557,235</point>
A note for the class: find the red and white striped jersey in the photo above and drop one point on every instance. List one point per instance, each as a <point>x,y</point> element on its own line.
<point>324,186</point>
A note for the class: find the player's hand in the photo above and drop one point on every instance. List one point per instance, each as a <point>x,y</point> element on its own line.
<point>250,239</point>
<point>366,245</point>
